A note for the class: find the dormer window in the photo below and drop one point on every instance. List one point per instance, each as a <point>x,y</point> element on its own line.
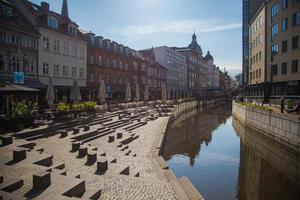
<point>72,29</point>
<point>5,11</point>
<point>52,22</point>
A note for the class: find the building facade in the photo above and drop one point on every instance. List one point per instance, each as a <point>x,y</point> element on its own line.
<point>283,48</point>
<point>197,80</point>
<point>18,48</point>
<point>250,7</point>
<point>176,66</point>
<point>257,54</point>
<point>62,49</point>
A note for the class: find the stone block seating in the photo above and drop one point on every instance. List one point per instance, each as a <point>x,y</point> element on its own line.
<point>75,146</point>
<point>41,180</point>
<point>63,133</point>
<point>92,157</point>
<point>111,138</point>
<point>19,154</point>
<point>82,151</point>
<point>7,140</point>
<point>75,130</point>
<point>102,165</point>
<point>86,127</point>
<point>125,171</point>
<point>119,135</point>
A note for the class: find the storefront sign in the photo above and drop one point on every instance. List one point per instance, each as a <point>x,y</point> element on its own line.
<point>19,77</point>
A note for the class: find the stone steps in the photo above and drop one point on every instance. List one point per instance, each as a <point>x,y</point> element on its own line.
<point>189,189</point>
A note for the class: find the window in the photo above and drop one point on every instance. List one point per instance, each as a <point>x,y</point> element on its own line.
<point>56,70</point>
<point>294,66</point>
<point>1,62</point>
<point>274,10</point>
<point>72,30</point>
<point>284,24</point>
<point>5,11</point>
<point>81,72</point>
<point>91,76</point>
<point>73,71</point>
<point>56,45</point>
<point>259,73</point>
<point>66,48</point>
<point>52,22</point>
<point>81,52</point>
<point>284,68</point>
<point>121,64</point>
<point>295,42</point>
<point>114,63</point>
<point>296,18</point>
<point>274,30</point>
<point>91,59</point>
<point>99,60</point>
<point>274,49</point>
<point>45,68</point>
<point>14,63</point>
<point>144,68</point>
<point>46,43</point>
<point>135,66</point>
<point>65,70</point>
<point>284,46</point>
<point>274,70</point>
<point>260,55</point>
<point>74,50</point>
<point>284,4</point>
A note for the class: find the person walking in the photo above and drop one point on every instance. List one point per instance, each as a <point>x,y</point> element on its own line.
<point>282,104</point>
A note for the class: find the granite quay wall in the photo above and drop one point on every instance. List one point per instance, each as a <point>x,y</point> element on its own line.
<point>279,127</point>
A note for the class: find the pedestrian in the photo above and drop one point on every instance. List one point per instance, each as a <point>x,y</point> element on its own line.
<point>282,104</point>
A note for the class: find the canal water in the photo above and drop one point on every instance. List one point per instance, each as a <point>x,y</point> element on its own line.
<point>225,160</point>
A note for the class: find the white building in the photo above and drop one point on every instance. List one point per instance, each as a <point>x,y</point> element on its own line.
<point>62,49</point>
<point>176,69</point>
<point>212,72</point>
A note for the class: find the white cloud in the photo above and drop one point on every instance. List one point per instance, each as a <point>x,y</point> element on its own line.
<point>182,26</point>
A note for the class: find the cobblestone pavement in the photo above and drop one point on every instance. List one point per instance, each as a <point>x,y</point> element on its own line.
<point>141,181</point>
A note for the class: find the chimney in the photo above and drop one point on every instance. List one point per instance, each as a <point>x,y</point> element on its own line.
<point>44,6</point>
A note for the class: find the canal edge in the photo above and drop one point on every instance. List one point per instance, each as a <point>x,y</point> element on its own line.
<point>183,188</point>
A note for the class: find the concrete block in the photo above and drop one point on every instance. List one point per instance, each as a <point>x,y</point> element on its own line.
<point>7,140</point>
<point>86,127</point>
<point>119,135</point>
<point>41,180</point>
<point>75,146</point>
<point>111,138</point>
<point>82,151</point>
<point>125,171</point>
<point>63,134</point>
<point>75,130</point>
<point>19,154</point>
<point>92,157</point>
<point>76,191</point>
<point>102,165</point>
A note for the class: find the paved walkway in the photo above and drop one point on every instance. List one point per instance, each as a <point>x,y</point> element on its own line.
<point>132,169</point>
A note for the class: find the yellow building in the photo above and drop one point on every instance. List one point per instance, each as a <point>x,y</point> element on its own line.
<point>283,48</point>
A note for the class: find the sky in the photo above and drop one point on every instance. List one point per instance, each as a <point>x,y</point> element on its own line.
<point>141,24</point>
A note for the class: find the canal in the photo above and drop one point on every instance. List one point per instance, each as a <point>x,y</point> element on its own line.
<point>226,160</point>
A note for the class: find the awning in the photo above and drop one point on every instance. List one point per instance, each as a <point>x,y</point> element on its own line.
<point>11,88</point>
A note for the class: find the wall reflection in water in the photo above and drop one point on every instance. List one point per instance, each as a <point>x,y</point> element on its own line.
<point>186,133</point>
<point>267,170</point>
<point>264,170</point>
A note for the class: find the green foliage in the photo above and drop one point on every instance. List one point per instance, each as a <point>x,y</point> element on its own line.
<point>78,106</point>
<point>258,107</point>
<point>23,109</point>
<point>89,105</point>
<point>290,104</point>
<point>63,107</point>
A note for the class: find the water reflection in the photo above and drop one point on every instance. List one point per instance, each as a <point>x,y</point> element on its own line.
<point>187,132</point>
<point>226,160</point>
<point>267,170</point>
